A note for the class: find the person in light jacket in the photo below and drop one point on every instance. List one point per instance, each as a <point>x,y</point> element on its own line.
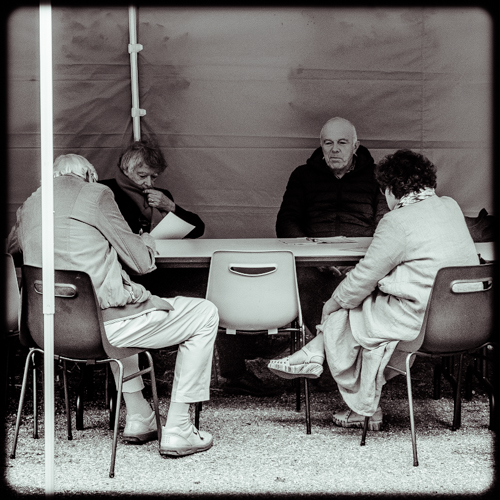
<point>383,299</point>
<point>91,235</point>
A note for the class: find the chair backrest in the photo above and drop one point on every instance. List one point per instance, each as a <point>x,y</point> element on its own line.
<point>459,314</point>
<point>254,290</point>
<point>78,327</point>
<point>13,299</point>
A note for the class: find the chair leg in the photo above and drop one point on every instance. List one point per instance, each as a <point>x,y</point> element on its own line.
<point>457,407</point>
<point>110,397</point>
<point>365,431</point>
<point>80,398</point>
<point>410,408</point>
<point>292,342</point>
<point>117,416</point>
<point>295,382</point>
<point>112,409</point>
<point>35,400</point>
<point>493,420</point>
<point>198,407</point>
<point>155,395</point>
<point>66,401</point>
<point>29,361</point>
<point>302,342</point>
<point>106,385</point>
<point>308,406</point>
<point>121,380</point>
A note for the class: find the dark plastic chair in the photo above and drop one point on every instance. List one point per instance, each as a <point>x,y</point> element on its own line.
<point>257,293</point>
<point>12,307</point>
<point>13,301</point>
<point>79,336</point>
<point>458,321</point>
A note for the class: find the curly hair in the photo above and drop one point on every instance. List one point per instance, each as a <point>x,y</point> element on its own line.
<point>142,152</point>
<point>404,172</point>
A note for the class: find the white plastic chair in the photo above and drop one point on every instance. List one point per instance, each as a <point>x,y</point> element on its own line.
<point>257,293</point>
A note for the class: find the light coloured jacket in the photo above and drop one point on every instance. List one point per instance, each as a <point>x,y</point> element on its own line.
<point>392,283</point>
<point>384,297</point>
<point>90,235</point>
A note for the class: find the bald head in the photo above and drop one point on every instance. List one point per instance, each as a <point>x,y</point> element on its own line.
<point>339,142</point>
<point>338,121</point>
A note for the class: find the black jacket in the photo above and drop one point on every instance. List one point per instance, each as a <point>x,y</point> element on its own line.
<point>317,204</point>
<point>133,216</point>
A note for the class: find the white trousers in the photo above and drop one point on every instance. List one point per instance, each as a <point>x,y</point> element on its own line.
<point>192,325</point>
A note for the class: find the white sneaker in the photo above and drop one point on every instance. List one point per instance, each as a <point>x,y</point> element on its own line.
<point>174,444</point>
<point>139,430</point>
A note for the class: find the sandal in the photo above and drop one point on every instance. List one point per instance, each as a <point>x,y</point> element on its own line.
<point>308,369</point>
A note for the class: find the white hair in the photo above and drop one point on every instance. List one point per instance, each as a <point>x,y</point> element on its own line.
<point>75,164</point>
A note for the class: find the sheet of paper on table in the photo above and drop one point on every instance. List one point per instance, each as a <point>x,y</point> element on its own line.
<point>171,227</point>
<point>332,239</point>
<point>309,241</point>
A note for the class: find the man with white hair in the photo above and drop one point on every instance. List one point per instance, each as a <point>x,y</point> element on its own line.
<point>335,192</point>
<point>91,235</point>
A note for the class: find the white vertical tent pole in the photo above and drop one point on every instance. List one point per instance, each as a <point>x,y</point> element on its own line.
<point>47,155</point>
<point>133,49</point>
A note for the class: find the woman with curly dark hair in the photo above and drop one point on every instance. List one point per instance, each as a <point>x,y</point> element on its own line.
<point>405,172</point>
<point>383,299</point>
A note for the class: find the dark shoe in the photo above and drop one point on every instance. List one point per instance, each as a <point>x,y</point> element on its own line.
<point>250,384</point>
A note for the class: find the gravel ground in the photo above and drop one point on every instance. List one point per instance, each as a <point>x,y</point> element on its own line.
<point>261,449</point>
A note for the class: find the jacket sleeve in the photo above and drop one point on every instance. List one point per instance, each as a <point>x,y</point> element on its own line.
<point>291,221</point>
<point>13,243</point>
<point>380,208</point>
<point>386,251</point>
<point>189,217</point>
<point>132,250</point>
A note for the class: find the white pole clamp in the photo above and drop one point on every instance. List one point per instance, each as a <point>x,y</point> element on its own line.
<point>137,112</point>
<point>134,47</point>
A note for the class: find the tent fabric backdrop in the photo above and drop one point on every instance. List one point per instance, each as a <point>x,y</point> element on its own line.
<point>236,97</point>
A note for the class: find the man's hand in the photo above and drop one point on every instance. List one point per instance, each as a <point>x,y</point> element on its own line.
<point>158,200</point>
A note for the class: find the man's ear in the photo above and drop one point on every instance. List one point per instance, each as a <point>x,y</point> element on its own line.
<point>356,146</point>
